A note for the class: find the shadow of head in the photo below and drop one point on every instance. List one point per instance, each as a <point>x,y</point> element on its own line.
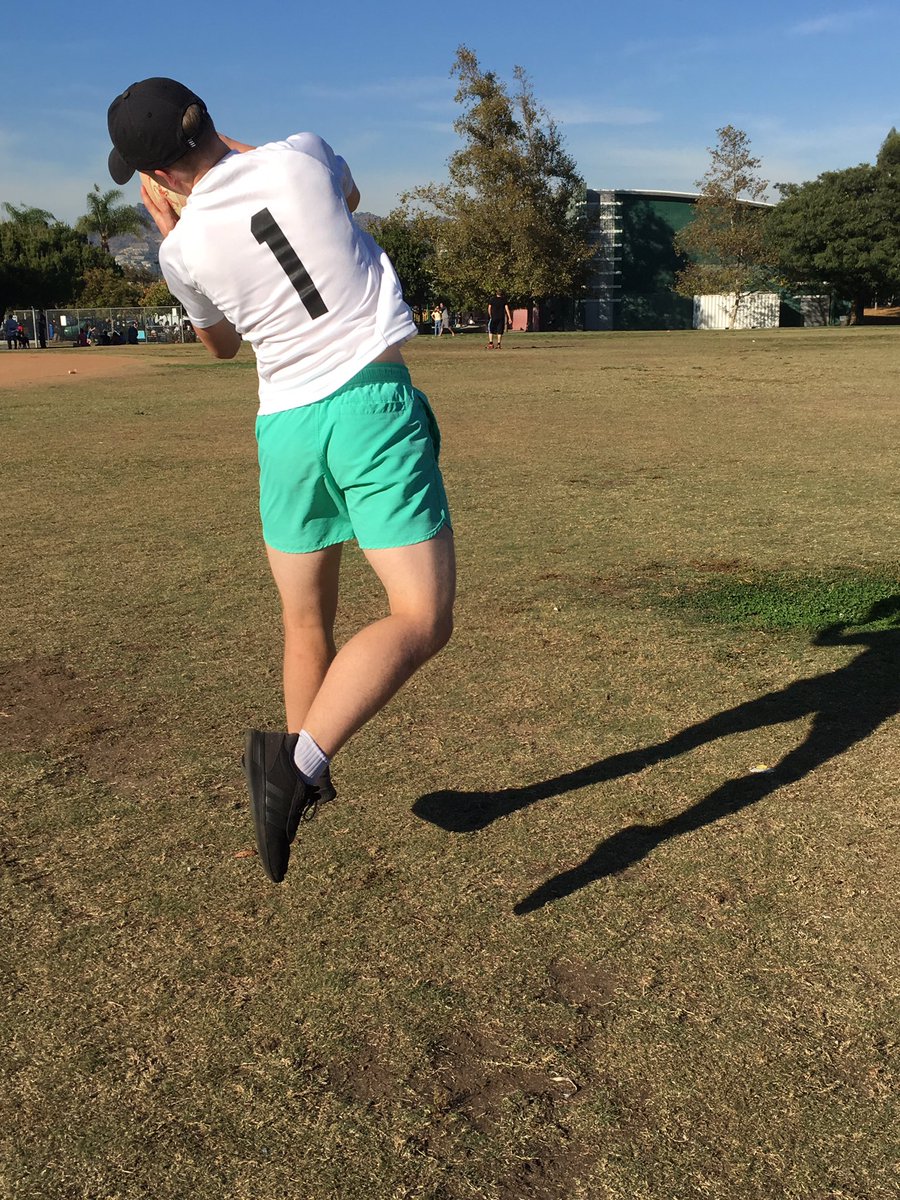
<point>885,611</point>
<point>882,618</point>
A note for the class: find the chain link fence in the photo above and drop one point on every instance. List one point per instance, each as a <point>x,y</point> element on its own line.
<point>104,326</point>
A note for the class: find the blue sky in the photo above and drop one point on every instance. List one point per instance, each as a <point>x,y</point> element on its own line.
<point>638,88</point>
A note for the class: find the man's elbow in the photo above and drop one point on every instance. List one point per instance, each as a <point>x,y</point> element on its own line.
<point>222,340</point>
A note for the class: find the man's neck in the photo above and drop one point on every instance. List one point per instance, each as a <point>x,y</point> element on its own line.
<point>216,154</point>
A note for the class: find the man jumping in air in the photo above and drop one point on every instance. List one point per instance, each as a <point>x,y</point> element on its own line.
<point>266,250</point>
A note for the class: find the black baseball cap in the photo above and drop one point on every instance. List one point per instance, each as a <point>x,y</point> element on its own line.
<point>145,127</point>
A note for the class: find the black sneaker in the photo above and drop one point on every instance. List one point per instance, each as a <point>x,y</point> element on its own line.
<point>322,791</point>
<point>279,799</point>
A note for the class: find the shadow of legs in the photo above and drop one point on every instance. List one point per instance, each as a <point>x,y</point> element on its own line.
<point>466,812</point>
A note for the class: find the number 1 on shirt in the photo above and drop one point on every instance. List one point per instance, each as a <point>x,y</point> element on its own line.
<point>266,229</point>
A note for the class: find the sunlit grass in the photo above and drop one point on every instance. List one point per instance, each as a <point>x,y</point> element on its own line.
<point>656,533</point>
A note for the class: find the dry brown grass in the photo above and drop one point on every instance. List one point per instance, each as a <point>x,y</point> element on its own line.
<point>616,963</point>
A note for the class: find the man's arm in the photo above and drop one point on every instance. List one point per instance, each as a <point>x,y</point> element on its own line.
<point>241,147</point>
<point>221,340</point>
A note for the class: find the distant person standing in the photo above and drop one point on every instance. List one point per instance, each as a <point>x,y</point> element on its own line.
<point>42,329</point>
<point>132,335</point>
<point>436,318</point>
<point>12,333</point>
<point>499,319</point>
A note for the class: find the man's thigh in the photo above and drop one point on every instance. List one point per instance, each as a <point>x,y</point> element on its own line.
<point>307,584</point>
<point>420,578</point>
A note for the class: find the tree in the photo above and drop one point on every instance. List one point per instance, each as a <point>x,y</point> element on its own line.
<point>411,250</point>
<point>42,260</point>
<point>842,230</point>
<point>107,286</point>
<point>509,219</point>
<point>25,215</point>
<point>887,216</point>
<point>157,295</point>
<point>108,219</point>
<point>825,233</point>
<point>725,242</point>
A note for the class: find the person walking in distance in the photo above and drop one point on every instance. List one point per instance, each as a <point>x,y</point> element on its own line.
<point>499,319</point>
<point>446,323</point>
<point>265,249</point>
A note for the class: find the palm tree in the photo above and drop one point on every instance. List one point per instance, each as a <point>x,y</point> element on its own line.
<point>24,214</point>
<point>107,218</point>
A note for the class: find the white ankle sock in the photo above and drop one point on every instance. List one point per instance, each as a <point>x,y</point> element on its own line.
<point>309,759</point>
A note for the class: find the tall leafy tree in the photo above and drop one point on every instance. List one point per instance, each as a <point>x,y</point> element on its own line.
<point>108,286</point>
<point>157,295</point>
<point>842,230</point>
<point>887,215</point>
<point>108,218</point>
<point>42,260</point>
<point>410,247</point>
<point>509,217</point>
<point>725,242</point>
<point>825,234</point>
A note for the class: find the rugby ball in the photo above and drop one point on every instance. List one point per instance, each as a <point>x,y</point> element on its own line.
<point>160,193</point>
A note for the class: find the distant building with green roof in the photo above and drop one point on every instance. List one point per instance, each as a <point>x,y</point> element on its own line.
<point>632,276</point>
<point>631,280</point>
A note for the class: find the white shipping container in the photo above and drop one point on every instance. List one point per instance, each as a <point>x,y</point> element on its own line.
<point>759,310</point>
<point>815,309</point>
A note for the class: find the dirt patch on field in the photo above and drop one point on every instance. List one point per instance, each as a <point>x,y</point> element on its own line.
<point>37,697</point>
<point>44,705</point>
<point>23,368</point>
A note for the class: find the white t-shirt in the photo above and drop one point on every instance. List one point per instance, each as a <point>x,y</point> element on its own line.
<point>267,241</point>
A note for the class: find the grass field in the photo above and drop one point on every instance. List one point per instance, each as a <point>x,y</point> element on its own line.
<point>608,905</point>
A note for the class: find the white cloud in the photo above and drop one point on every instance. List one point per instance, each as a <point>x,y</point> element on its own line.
<point>831,23</point>
<point>581,112</point>
<point>426,90</point>
<point>665,168</point>
<point>794,154</point>
<point>675,47</point>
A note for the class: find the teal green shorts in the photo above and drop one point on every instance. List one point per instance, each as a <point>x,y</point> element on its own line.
<point>362,463</point>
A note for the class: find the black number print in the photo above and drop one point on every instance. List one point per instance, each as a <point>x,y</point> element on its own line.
<point>266,229</point>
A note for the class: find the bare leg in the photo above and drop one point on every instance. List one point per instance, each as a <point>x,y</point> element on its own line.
<point>420,582</point>
<point>308,586</point>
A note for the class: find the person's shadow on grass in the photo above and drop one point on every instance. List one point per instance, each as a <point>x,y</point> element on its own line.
<point>846,705</point>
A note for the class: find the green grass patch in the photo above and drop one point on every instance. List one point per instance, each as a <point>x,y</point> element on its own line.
<point>789,602</point>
